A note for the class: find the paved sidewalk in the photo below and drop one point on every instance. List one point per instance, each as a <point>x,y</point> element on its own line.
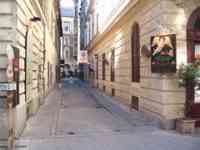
<point>73,119</point>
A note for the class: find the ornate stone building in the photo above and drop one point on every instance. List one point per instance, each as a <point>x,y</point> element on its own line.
<point>69,54</point>
<point>120,37</point>
<point>33,27</point>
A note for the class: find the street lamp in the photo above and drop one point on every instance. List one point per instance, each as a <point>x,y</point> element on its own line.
<point>31,20</point>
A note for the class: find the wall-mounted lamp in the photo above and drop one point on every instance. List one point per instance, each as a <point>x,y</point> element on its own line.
<point>35,19</point>
<point>179,3</point>
<point>146,51</point>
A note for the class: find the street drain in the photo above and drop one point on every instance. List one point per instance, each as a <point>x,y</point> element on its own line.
<point>5,147</point>
<point>117,130</point>
<point>99,107</point>
<point>71,133</point>
<point>64,106</point>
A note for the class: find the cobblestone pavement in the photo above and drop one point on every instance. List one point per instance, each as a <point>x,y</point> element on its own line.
<point>71,119</point>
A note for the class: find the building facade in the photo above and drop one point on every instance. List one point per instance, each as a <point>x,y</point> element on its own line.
<point>122,40</point>
<point>76,28</point>
<point>69,54</point>
<point>33,27</point>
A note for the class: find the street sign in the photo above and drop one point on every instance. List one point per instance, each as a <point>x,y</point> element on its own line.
<point>8,87</point>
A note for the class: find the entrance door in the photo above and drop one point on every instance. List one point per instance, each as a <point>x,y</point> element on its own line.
<point>193,45</point>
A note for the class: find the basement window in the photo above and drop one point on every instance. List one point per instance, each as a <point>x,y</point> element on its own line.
<point>135,102</point>
<point>113,92</point>
<point>104,88</point>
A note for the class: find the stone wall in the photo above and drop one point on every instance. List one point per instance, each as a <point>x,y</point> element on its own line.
<point>159,95</point>
<point>43,47</point>
<point>7,37</point>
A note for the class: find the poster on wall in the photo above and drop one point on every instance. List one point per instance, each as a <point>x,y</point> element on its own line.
<point>163,54</point>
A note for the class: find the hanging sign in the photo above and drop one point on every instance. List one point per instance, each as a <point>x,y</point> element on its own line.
<point>163,53</point>
<point>83,58</point>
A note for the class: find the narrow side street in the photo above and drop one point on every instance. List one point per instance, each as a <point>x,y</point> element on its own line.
<point>71,119</point>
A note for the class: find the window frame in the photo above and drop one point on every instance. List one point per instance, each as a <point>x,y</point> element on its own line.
<point>112,65</point>
<point>135,52</point>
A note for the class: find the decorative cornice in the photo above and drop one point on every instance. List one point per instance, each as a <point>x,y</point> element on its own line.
<point>122,11</point>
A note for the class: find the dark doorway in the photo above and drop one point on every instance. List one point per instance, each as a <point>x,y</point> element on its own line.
<point>193,48</point>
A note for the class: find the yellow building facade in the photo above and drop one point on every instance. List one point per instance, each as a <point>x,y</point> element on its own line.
<point>125,35</point>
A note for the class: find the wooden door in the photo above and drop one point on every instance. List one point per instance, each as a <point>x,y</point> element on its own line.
<point>193,46</point>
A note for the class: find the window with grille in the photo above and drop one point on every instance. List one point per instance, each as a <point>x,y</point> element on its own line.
<point>112,65</point>
<point>103,66</point>
<point>135,53</point>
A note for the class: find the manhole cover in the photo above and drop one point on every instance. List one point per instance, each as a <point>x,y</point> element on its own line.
<point>71,133</point>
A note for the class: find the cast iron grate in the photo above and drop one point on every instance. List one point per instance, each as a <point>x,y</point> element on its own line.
<point>71,133</point>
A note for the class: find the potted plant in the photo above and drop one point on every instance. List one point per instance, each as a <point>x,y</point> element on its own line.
<point>189,74</point>
<point>189,77</point>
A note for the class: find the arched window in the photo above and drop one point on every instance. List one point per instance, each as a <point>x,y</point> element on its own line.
<point>193,51</point>
<point>193,31</point>
<point>135,45</point>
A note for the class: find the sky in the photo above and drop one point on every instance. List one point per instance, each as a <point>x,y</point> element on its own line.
<point>67,7</point>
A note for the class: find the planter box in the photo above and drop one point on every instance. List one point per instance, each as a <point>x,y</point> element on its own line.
<point>185,125</point>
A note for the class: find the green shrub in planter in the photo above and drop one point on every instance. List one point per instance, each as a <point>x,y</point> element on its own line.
<point>189,73</point>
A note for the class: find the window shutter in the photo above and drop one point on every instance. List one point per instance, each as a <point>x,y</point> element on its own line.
<point>113,65</point>
<point>103,66</point>
<point>136,53</point>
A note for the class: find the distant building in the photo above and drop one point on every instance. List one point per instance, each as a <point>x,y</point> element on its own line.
<point>76,28</point>
<point>84,66</point>
<point>68,50</point>
<point>83,21</point>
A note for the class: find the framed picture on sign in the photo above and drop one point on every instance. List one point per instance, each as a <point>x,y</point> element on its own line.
<point>163,54</point>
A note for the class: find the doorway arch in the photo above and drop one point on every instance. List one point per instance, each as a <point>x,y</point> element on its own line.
<point>193,51</point>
